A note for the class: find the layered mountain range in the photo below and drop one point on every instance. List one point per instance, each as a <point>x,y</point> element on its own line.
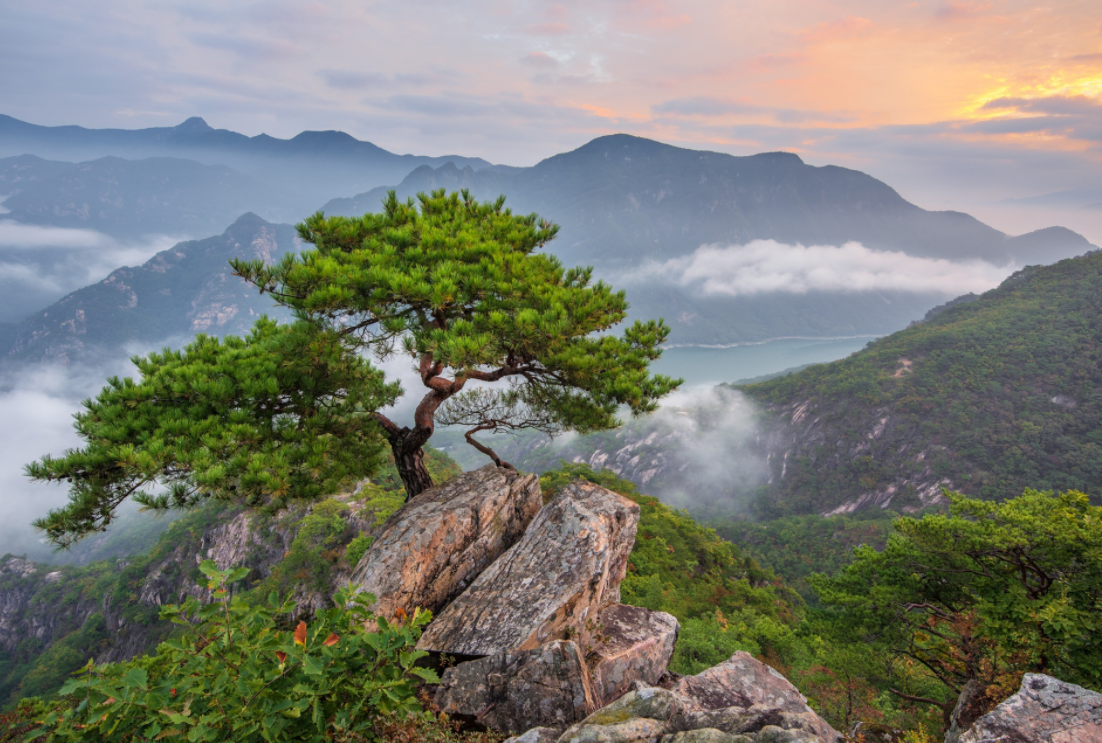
<point>305,170</point>
<point>639,211</point>
<point>179,292</point>
<point>621,200</point>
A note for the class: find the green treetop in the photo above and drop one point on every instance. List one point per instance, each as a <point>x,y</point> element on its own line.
<point>458,285</point>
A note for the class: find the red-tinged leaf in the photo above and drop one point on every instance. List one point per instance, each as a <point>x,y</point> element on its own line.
<point>282,656</point>
<point>400,613</point>
<point>300,634</point>
<point>331,640</point>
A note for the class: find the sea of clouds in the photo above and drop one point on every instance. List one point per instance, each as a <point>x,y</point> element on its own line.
<point>768,266</point>
<point>39,265</point>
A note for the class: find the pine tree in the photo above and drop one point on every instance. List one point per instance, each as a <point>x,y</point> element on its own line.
<point>283,413</point>
<point>292,411</point>
<point>459,285</point>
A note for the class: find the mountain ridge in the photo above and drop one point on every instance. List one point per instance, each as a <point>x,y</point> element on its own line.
<point>311,167</point>
<point>173,295</point>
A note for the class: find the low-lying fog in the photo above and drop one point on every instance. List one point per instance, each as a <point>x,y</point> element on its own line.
<point>40,265</point>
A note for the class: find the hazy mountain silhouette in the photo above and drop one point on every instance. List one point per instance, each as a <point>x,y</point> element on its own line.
<point>312,166</point>
<point>130,198</point>
<point>621,199</point>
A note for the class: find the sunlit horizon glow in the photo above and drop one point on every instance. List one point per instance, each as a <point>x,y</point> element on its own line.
<point>957,104</point>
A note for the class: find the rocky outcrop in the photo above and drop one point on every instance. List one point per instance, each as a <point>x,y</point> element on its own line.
<point>630,644</point>
<point>548,686</point>
<point>550,584</point>
<point>738,701</point>
<point>1045,710</point>
<point>432,548</point>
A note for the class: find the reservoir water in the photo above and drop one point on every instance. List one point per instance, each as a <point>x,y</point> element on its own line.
<point>699,365</point>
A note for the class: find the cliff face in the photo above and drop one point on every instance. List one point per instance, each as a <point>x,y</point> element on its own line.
<point>52,619</point>
<point>903,469</point>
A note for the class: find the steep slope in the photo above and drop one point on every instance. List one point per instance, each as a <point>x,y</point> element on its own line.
<point>988,397</point>
<point>179,292</point>
<point>131,198</point>
<point>315,166</point>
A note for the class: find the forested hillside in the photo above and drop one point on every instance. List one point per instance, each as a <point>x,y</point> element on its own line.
<point>988,397</point>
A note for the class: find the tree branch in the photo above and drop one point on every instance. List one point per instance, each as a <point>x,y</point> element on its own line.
<point>919,700</point>
<point>485,449</point>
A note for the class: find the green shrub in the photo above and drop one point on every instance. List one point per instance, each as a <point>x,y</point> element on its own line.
<point>234,675</point>
<point>357,548</point>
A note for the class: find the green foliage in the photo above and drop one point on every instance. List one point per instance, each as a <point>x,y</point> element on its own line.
<point>797,547</point>
<point>357,548</point>
<point>982,594</point>
<point>997,395</point>
<point>276,416</point>
<point>76,602</point>
<point>460,286</point>
<point>320,541</point>
<point>235,676</point>
<point>722,599</point>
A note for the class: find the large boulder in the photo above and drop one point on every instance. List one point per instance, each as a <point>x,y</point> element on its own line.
<point>509,692</point>
<point>630,644</point>
<point>566,568</point>
<point>432,548</point>
<point>743,695</point>
<point>1044,710</point>
<point>738,701</point>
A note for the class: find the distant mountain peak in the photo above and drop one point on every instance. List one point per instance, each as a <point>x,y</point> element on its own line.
<point>790,158</point>
<point>194,125</point>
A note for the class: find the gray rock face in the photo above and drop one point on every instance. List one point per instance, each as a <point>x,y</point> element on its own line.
<point>741,681</point>
<point>547,687</point>
<point>738,701</point>
<point>566,568</point>
<point>431,549</point>
<point>630,644</point>
<point>1045,710</point>
<point>536,735</point>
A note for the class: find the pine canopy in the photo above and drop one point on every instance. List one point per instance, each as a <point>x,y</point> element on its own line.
<point>459,285</point>
<point>283,413</point>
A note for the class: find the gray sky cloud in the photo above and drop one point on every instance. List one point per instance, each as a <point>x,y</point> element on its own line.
<point>767,266</point>
<point>518,82</point>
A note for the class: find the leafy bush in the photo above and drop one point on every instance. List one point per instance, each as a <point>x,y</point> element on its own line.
<point>234,675</point>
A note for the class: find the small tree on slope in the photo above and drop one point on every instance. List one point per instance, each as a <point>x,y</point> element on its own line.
<point>458,285</point>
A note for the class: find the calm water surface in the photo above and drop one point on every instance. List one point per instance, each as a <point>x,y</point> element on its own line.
<point>714,365</point>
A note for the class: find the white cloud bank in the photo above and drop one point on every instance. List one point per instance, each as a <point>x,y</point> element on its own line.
<point>766,266</point>
<point>39,264</point>
<point>32,236</point>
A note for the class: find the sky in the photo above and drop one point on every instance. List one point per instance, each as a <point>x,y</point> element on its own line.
<point>956,104</point>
